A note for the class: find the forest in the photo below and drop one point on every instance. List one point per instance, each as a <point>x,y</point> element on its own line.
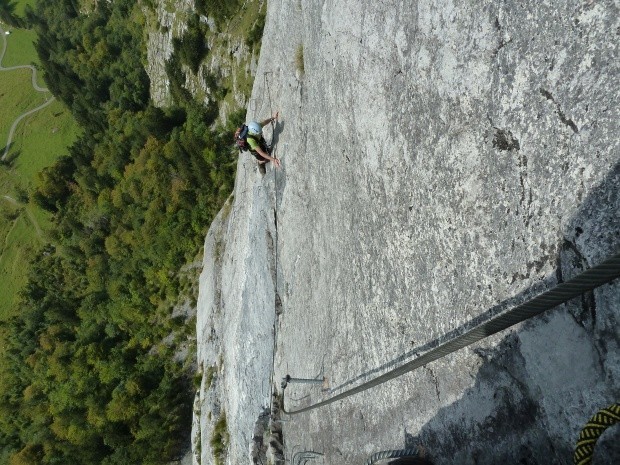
<point>88,378</point>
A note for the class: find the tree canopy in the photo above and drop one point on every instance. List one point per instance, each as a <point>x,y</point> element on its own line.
<point>86,377</point>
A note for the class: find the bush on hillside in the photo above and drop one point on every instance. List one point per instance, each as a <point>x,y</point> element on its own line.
<point>219,10</point>
<point>192,46</point>
<point>256,33</point>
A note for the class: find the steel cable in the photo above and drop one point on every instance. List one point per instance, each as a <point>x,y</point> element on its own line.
<point>563,292</point>
<point>393,454</point>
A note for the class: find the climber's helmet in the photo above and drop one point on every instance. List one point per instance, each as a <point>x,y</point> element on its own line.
<point>254,129</point>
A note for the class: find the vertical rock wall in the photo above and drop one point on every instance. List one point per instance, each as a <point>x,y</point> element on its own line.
<point>236,316</point>
<point>441,161</point>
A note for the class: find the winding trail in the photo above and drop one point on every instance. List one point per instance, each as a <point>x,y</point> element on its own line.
<point>10,199</point>
<point>35,86</point>
<point>38,88</point>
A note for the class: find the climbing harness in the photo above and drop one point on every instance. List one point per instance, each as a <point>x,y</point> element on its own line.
<point>563,292</point>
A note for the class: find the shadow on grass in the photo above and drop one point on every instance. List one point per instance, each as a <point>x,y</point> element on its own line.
<point>10,158</point>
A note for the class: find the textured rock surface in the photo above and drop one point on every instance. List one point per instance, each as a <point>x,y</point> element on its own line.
<point>229,63</point>
<point>439,159</point>
<point>168,22</point>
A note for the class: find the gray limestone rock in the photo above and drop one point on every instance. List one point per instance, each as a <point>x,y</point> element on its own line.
<point>441,161</point>
<point>165,23</point>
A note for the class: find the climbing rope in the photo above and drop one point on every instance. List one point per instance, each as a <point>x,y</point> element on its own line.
<point>590,433</point>
<point>275,214</point>
<point>586,281</point>
<point>273,124</point>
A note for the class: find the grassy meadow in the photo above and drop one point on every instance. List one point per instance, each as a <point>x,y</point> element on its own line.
<point>16,97</point>
<point>20,6</point>
<point>20,48</point>
<point>20,51</point>
<point>38,141</point>
<point>21,239</point>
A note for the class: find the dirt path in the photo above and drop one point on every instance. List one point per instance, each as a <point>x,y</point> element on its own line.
<point>35,86</point>
<point>10,199</point>
<point>29,213</point>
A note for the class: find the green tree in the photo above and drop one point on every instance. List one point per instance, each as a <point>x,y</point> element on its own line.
<point>85,377</point>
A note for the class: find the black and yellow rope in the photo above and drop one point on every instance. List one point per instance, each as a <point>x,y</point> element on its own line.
<point>590,433</point>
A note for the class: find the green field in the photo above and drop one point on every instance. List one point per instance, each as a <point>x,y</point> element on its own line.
<point>20,48</point>
<point>16,97</point>
<point>20,240</point>
<point>20,51</point>
<point>20,6</point>
<point>38,141</point>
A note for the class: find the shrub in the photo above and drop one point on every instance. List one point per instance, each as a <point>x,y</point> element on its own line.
<point>210,375</point>
<point>219,439</point>
<point>219,10</point>
<point>299,59</point>
<point>197,380</point>
<point>256,33</point>
<point>192,46</point>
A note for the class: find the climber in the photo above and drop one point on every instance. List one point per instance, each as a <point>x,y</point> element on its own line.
<point>251,138</point>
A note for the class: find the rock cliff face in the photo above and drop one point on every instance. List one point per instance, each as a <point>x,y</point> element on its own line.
<point>228,66</point>
<point>439,159</point>
<point>166,22</point>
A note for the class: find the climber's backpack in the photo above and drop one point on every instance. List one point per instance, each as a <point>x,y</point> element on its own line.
<point>241,138</point>
<point>241,141</point>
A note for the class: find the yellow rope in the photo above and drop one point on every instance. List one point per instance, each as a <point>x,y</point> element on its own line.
<point>590,433</point>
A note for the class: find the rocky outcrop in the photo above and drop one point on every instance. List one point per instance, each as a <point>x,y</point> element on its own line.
<point>440,161</point>
<point>229,66</point>
<point>235,317</point>
<point>166,22</point>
